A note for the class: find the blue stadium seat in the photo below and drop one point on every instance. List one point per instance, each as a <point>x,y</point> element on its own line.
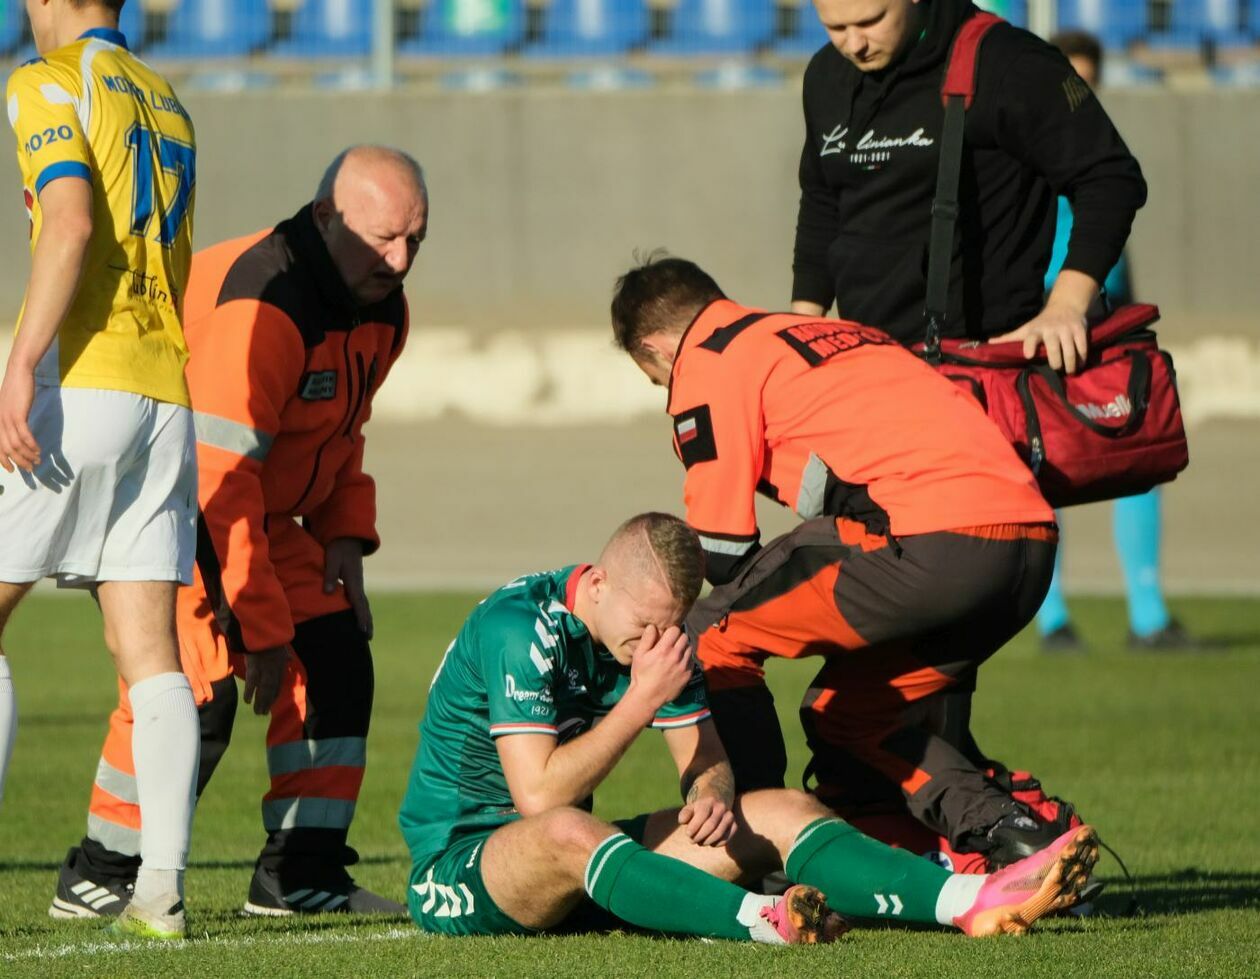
<point>329,28</point>
<point>16,43</point>
<point>131,23</point>
<point>1225,22</point>
<point>1117,23</point>
<point>1014,11</point>
<point>1186,27</point>
<point>459,28</point>
<point>12,21</point>
<point>718,27</point>
<point>808,36</point>
<point>591,27</point>
<point>214,28</point>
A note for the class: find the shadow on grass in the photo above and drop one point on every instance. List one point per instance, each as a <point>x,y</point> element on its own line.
<point>1188,891</point>
<point>1219,642</point>
<point>194,865</point>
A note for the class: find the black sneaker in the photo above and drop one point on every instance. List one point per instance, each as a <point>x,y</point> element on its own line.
<point>1062,640</point>
<point>1172,638</point>
<point>80,897</point>
<point>336,893</point>
<point>1016,836</point>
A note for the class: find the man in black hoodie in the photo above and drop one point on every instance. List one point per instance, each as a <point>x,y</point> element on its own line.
<point>873,122</point>
<point>873,119</point>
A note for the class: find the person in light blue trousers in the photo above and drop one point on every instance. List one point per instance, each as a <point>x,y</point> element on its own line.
<point>1136,522</point>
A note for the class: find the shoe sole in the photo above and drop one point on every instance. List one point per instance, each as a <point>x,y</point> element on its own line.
<point>65,911</point>
<point>143,931</point>
<point>261,911</point>
<point>812,922</point>
<point>1061,888</point>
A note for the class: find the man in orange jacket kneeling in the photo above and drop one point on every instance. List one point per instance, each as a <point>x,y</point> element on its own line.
<point>291,332</point>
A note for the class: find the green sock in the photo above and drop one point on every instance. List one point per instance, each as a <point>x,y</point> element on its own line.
<point>664,894</point>
<point>862,877</point>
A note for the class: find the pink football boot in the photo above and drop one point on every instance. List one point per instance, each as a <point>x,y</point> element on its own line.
<point>1051,879</point>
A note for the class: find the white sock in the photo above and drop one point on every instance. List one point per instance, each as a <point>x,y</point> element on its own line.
<point>749,915</point>
<point>166,746</point>
<point>8,719</point>
<point>957,896</point>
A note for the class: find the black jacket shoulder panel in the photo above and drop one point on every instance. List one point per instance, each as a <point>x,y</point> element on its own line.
<point>265,272</point>
<point>291,270</point>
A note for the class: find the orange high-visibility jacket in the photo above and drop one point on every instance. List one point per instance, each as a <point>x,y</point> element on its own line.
<point>829,417</point>
<point>282,370</point>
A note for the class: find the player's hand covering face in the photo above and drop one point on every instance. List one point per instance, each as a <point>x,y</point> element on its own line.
<point>628,613</point>
<point>662,665</point>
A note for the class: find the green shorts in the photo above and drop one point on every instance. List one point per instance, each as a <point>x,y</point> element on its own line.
<point>447,895</point>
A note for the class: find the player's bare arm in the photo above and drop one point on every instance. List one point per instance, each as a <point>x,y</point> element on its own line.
<point>707,783</point>
<point>803,307</point>
<point>56,266</point>
<point>542,775</point>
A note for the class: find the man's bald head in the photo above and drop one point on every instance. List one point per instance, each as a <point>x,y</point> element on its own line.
<point>373,162</point>
<point>372,209</point>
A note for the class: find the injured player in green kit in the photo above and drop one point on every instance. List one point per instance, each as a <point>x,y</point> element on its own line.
<point>497,811</point>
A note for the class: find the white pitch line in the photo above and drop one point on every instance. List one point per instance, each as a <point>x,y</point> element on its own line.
<point>244,941</point>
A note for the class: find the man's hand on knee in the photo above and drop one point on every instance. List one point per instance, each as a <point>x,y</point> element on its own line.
<point>708,821</point>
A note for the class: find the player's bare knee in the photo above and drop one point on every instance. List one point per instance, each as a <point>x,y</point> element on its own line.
<point>803,804</point>
<point>574,832</point>
<point>778,815</point>
<point>10,595</point>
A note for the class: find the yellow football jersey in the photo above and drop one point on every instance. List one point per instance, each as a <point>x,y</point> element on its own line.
<point>91,110</point>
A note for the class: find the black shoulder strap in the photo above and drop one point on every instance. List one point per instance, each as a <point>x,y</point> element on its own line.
<point>957,92</point>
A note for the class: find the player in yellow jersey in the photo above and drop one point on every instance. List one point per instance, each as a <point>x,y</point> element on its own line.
<point>99,486</point>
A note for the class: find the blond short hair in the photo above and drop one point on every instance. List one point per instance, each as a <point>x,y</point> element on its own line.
<point>672,547</point>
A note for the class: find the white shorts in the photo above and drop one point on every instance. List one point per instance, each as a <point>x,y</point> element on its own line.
<point>114,497</point>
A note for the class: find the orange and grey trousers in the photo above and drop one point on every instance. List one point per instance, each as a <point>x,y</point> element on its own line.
<point>901,625</point>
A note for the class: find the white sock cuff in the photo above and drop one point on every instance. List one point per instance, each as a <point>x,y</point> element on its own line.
<point>957,896</point>
<point>146,690</point>
<point>4,668</point>
<point>750,909</point>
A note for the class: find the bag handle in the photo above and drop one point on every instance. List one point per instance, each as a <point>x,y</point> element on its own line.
<point>1138,394</point>
<point>957,92</point>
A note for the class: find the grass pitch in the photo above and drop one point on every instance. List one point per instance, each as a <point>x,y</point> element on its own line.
<point>1159,751</point>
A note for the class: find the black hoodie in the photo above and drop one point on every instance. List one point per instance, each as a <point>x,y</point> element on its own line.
<point>868,175</point>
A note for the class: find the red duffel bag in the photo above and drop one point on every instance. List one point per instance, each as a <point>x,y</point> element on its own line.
<point>1112,429</point>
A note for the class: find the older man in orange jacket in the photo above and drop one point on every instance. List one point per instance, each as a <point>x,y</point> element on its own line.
<point>291,332</point>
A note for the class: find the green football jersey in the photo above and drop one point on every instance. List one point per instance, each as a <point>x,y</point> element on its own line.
<point>521,664</point>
